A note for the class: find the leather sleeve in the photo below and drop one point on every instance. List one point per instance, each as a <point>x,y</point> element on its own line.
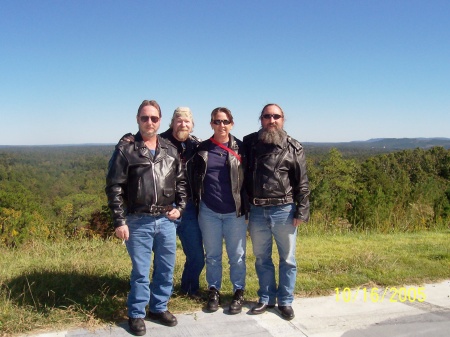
<point>300,185</point>
<point>181,196</point>
<point>116,182</point>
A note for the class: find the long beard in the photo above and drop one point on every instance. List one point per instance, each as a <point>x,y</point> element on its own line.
<point>182,135</point>
<point>274,136</point>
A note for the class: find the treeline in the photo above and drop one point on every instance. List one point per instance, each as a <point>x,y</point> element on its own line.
<point>51,192</point>
<point>401,191</point>
<point>58,192</point>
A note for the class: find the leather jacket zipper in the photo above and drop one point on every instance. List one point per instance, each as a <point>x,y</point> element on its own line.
<point>154,185</point>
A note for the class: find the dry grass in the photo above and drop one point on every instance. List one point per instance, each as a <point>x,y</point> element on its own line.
<point>83,283</point>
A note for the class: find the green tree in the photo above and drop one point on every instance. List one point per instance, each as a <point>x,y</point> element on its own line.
<point>335,189</point>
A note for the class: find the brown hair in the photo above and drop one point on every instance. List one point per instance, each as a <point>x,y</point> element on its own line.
<point>270,104</point>
<point>225,111</point>
<point>152,103</point>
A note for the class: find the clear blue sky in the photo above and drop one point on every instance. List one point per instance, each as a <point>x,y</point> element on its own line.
<point>75,71</point>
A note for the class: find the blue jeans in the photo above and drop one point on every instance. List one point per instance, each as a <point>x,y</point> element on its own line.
<point>276,221</point>
<point>215,227</point>
<point>188,231</point>
<point>157,235</point>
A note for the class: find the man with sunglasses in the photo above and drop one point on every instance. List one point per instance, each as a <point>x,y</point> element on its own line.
<point>188,230</point>
<point>146,189</point>
<point>278,191</point>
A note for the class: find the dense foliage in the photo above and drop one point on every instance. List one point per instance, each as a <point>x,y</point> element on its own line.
<point>58,192</point>
<point>399,191</point>
<point>51,192</point>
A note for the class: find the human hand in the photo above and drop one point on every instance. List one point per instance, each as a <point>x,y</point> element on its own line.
<point>122,232</point>
<point>173,214</point>
<point>129,137</point>
<point>296,222</point>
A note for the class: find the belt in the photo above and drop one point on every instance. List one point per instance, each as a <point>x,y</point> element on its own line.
<point>157,210</point>
<point>271,201</point>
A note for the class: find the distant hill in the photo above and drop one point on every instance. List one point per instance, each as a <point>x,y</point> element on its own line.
<point>372,145</point>
<point>388,144</point>
<point>363,149</point>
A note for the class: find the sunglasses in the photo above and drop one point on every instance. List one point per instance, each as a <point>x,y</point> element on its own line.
<point>219,121</point>
<point>274,116</point>
<point>154,119</point>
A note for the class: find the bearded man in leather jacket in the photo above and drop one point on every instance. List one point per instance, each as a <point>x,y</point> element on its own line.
<point>188,230</point>
<point>146,189</point>
<point>278,191</point>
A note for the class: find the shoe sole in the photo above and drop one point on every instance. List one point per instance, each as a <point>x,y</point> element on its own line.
<point>263,311</point>
<point>257,312</point>
<point>288,318</point>
<point>138,333</point>
<point>212,309</point>
<point>164,323</point>
<point>234,312</point>
<point>157,319</point>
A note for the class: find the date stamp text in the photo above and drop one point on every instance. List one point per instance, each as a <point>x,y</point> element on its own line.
<point>377,295</point>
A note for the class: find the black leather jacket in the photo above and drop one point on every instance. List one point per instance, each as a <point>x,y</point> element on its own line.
<point>136,180</point>
<point>187,150</point>
<point>277,172</point>
<point>235,167</point>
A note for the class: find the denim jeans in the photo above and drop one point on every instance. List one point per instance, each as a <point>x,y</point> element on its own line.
<point>150,235</point>
<point>276,221</point>
<point>215,227</point>
<point>188,231</point>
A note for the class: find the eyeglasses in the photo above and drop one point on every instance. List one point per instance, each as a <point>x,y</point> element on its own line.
<point>219,121</point>
<point>274,116</point>
<point>154,119</point>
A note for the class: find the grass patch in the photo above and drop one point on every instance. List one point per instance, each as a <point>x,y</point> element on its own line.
<point>53,285</point>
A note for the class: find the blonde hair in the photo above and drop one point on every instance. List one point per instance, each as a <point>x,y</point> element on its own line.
<point>182,111</point>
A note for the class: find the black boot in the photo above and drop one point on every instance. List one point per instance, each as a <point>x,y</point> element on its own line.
<point>236,303</point>
<point>164,317</point>
<point>213,300</point>
<point>286,312</point>
<point>261,308</point>
<point>137,326</point>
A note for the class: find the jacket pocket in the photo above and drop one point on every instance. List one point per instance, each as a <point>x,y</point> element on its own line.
<point>168,192</point>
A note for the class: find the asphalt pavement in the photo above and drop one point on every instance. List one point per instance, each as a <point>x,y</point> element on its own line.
<point>365,312</point>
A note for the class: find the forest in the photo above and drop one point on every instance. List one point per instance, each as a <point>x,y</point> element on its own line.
<point>57,192</point>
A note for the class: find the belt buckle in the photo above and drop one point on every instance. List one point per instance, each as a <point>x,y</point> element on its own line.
<point>155,210</point>
<point>259,202</point>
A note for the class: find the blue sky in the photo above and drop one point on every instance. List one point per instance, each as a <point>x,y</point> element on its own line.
<point>75,71</point>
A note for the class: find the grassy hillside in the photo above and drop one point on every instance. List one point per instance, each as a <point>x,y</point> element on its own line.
<point>74,283</point>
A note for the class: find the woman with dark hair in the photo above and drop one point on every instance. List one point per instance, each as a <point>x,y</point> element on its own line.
<point>219,194</point>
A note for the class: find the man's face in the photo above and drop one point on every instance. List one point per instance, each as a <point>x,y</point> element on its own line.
<point>182,127</point>
<point>272,118</point>
<point>148,121</point>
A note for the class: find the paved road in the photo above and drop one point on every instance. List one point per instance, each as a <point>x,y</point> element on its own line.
<point>352,314</point>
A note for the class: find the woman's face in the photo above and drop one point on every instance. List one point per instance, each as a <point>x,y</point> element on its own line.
<point>219,126</point>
